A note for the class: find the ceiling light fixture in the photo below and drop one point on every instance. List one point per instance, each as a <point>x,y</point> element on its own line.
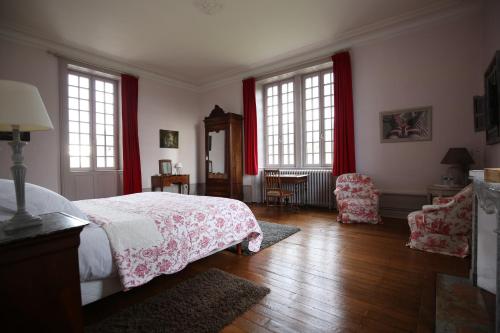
<point>209,7</point>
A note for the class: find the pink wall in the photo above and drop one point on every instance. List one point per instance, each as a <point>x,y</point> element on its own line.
<point>170,108</point>
<point>490,44</point>
<point>435,65</point>
<point>37,67</point>
<point>160,106</point>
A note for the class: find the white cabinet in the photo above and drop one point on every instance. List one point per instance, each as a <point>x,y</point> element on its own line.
<point>484,243</point>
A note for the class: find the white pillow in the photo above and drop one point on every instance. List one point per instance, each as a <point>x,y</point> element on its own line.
<point>39,200</point>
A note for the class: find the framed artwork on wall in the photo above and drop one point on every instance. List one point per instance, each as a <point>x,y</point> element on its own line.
<point>165,167</point>
<point>169,139</point>
<point>406,125</point>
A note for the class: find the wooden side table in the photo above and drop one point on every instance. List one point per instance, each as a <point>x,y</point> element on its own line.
<point>39,277</point>
<point>160,181</point>
<point>438,190</point>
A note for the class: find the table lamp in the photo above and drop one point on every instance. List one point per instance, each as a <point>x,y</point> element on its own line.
<point>459,159</point>
<point>21,110</point>
<point>178,168</point>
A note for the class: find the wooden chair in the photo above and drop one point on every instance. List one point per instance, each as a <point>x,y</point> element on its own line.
<point>273,188</point>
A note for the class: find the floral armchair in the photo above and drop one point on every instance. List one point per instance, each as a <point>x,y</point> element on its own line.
<point>357,199</point>
<point>443,227</point>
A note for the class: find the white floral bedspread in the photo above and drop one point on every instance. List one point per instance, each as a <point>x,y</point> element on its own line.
<point>157,233</point>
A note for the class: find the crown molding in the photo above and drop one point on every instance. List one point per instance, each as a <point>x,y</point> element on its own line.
<point>16,35</point>
<point>384,29</point>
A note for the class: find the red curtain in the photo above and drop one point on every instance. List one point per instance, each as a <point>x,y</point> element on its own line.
<point>131,157</point>
<point>344,160</point>
<point>250,127</point>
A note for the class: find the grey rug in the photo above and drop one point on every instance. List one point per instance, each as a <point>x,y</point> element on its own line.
<point>460,306</point>
<point>273,233</point>
<point>205,303</point>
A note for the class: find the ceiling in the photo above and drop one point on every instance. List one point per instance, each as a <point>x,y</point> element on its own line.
<point>174,38</point>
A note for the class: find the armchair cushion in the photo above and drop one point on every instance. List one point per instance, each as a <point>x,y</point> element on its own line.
<point>441,200</point>
<point>443,228</point>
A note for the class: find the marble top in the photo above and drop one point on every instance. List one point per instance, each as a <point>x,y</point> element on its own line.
<point>488,195</point>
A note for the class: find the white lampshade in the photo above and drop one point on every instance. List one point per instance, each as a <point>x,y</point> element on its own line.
<point>21,105</point>
<point>178,165</point>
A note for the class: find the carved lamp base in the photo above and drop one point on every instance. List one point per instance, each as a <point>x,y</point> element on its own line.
<point>21,219</point>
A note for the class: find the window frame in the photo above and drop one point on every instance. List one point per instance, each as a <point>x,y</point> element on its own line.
<point>266,137</point>
<point>279,84</point>
<point>116,127</point>
<point>92,76</point>
<point>300,157</point>
<point>321,106</point>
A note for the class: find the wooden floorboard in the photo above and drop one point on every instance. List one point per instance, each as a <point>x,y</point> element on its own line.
<point>328,277</point>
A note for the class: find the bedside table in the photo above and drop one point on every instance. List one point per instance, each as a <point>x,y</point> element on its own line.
<point>438,190</point>
<point>39,277</point>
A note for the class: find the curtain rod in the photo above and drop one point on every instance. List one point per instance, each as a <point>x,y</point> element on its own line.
<point>76,61</point>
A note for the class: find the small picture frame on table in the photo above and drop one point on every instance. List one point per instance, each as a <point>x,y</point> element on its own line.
<point>165,167</point>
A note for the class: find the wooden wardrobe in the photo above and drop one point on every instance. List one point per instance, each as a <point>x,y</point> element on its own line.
<point>224,154</point>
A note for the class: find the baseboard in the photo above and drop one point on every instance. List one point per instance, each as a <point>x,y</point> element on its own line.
<point>199,188</point>
<point>399,205</point>
<point>248,194</point>
<point>394,213</point>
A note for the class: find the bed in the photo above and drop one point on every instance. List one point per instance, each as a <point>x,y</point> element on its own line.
<point>132,239</point>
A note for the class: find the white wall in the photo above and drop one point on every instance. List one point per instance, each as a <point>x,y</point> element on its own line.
<point>170,108</point>
<point>161,106</point>
<point>490,44</point>
<point>37,67</point>
<point>435,65</point>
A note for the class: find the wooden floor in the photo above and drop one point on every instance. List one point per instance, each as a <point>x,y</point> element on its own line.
<point>328,277</point>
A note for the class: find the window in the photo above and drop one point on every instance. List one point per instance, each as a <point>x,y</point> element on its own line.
<point>299,134</point>
<point>287,124</point>
<point>280,124</point>
<point>92,122</point>
<point>318,119</point>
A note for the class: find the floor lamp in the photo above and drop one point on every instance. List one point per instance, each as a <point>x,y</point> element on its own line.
<point>21,110</point>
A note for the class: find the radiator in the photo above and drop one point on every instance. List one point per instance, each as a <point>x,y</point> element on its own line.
<point>320,186</point>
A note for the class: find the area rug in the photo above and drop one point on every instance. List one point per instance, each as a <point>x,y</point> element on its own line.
<point>205,303</point>
<point>273,233</point>
<point>460,306</point>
